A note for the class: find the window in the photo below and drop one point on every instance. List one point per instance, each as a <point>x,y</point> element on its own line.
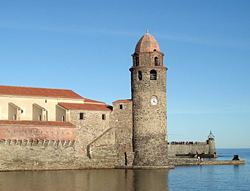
<point>81,116</point>
<point>120,106</point>
<point>39,118</point>
<point>136,61</point>
<point>45,101</point>
<point>14,116</point>
<point>140,75</point>
<point>157,62</point>
<point>63,118</point>
<point>103,117</point>
<point>47,116</point>
<point>153,75</point>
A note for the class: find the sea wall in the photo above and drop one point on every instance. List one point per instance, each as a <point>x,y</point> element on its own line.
<point>37,155</point>
<point>183,161</point>
<point>178,148</point>
<point>55,155</point>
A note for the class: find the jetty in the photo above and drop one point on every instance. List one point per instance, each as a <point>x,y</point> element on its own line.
<point>184,161</point>
<point>224,162</point>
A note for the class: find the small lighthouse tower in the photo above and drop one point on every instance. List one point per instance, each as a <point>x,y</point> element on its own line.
<point>211,143</point>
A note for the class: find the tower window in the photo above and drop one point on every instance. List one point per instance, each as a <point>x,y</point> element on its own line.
<point>157,62</point>
<point>136,61</point>
<point>140,75</point>
<point>120,106</point>
<point>153,75</point>
<point>81,116</point>
<point>103,117</point>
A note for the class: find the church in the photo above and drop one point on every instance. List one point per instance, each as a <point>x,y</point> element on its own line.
<point>42,128</point>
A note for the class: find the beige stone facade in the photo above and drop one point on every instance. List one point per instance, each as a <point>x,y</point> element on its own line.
<point>36,108</point>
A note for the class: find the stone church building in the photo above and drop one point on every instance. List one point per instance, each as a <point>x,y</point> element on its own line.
<point>42,128</point>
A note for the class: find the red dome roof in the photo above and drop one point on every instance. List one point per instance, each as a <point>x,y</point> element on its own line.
<point>147,43</point>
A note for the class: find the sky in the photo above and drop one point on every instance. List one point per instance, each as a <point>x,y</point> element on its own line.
<point>86,46</point>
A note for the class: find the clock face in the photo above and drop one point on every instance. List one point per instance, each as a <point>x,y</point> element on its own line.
<point>153,101</point>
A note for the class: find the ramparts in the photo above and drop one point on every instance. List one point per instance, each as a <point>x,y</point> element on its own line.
<point>189,148</point>
<point>37,155</point>
<point>37,130</point>
<point>56,155</point>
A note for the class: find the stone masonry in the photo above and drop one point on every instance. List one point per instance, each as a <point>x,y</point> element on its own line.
<point>148,82</point>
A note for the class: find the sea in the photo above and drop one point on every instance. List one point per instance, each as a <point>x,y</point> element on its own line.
<point>216,177</point>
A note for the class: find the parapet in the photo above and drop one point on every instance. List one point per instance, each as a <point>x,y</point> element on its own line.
<point>37,143</point>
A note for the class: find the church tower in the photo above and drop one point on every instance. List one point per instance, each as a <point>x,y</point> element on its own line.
<point>148,85</point>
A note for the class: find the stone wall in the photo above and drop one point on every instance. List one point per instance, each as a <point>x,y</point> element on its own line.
<point>121,120</point>
<point>56,155</point>
<point>34,147</point>
<point>37,155</point>
<point>199,147</point>
<point>89,128</point>
<point>183,161</point>
<point>35,132</point>
<point>102,151</point>
<point>149,121</point>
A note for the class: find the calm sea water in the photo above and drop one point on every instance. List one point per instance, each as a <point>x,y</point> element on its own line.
<point>225,177</point>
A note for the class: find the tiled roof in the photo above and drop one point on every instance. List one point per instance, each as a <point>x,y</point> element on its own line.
<point>38,92</point>
<point>92,101</point>
<point>80,106</point>
<point>37,123</point>
<point>122,101</point>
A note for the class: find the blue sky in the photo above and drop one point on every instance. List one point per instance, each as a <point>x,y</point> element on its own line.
<point>86,46</point>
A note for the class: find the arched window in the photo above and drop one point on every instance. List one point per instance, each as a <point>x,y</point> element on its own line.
<point>140,75</point>
<point>136,61</point>
<point>157,62</point>
<point>63,118</point>
<point>153,75</point>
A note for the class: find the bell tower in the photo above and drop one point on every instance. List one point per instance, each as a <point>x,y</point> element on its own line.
<point>148,86</point>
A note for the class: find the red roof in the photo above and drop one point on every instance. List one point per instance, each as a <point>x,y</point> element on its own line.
<point>37,123</point>
<point>84,106</point>
<point>92,101</point>
<point>123,101</point>
<point>38,92</point>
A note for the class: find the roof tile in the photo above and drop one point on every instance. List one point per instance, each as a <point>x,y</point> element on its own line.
<point>122,101</point>
<point>37,123</point>
<point>79,106</point>
<point>38,92</point>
